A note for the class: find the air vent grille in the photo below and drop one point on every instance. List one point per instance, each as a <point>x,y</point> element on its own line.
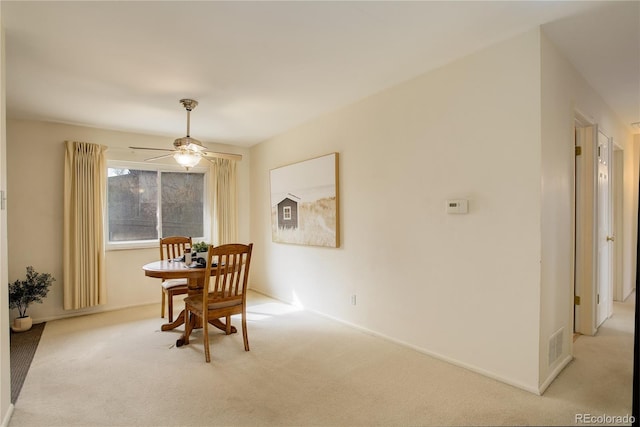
<point>556,346</point>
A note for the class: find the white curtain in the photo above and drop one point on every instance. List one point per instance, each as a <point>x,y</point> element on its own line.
<point>224,218</point>
<point>85,178</point>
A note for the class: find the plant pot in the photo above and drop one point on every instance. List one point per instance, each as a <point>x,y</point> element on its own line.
<point>21,324</point>
<point>200,256</point>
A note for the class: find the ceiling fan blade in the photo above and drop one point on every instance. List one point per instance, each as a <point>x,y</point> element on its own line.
<point>158,157</point>
<point>219,155</point>
<point>148,148</point>
<point>209,160</point>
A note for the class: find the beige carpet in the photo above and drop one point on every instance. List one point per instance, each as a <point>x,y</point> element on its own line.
<point>118,369</point>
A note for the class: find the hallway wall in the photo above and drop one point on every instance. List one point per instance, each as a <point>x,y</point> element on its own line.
<point>464,288</point>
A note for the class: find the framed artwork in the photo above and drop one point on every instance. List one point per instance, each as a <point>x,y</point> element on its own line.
<point>305,203</point>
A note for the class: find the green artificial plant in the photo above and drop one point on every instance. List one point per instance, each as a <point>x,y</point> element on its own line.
<point>35,288</point>
<point>200,247</point>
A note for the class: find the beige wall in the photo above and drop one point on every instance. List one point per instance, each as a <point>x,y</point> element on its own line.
<point>630,214</point>
<point>462,287</point>
<point>557,183</point>
<point>35,188</point>
<point>5,369</point>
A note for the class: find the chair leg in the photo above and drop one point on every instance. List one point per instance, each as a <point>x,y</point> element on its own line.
<point>162,306</point>
<point>205,331</point>
<point>170,304</point>
<point>245,337</point>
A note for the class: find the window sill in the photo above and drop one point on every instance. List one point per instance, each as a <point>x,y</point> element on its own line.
<point>139,244</point>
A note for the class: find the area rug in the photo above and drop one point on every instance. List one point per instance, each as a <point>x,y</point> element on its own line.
<point>23,348</point>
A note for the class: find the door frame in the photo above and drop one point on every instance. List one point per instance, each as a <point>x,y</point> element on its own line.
<point>585,208</point>
<point>618,221</point>
<point>585,286</point>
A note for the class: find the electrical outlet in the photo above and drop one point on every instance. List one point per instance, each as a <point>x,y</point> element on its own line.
<point>353,299</point>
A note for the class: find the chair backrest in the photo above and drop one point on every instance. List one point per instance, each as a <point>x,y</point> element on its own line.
<point>174,246</point>
<point>227,272</point>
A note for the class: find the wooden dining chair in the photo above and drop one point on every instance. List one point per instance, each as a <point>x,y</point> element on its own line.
<point>224,292</point>
<point>171,248</point>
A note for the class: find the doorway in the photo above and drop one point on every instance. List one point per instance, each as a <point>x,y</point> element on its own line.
<point>604,282</point>
<point>593,255</point>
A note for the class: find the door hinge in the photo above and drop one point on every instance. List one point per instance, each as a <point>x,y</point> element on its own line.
<point>598,299</point>
<point>578,150</point>
<point>576,300</point>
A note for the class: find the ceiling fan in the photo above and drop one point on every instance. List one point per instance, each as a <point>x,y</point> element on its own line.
<point>189,151</point>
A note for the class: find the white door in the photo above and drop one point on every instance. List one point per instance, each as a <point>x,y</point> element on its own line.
<point>604,267</point>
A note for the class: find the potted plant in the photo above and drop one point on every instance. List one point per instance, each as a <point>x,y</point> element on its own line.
<point>22,293</point>
<point>199,250</point>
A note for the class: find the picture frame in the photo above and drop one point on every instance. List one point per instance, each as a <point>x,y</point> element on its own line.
<point>305,202</point>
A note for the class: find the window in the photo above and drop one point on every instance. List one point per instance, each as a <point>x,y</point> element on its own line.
<point>144,204</point>
<point>286,212</point>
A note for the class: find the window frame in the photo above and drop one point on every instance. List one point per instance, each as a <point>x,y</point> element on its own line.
<point>157,167</point>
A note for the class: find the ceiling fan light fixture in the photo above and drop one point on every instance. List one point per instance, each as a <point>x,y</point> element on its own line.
<point>187,159</point>
<point>186,142</point>
<point>192,146</point>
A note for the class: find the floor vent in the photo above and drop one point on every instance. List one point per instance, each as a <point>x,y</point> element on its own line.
<point>556,343</point>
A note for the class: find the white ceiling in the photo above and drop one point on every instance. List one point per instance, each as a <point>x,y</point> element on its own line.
<point>260,68</point>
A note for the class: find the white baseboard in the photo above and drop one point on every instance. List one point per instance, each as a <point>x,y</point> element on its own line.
<point>7,416</point>
<point>93,310</point>
<point>438,356</point>
<point>455,362</point>
<point>552,376</point>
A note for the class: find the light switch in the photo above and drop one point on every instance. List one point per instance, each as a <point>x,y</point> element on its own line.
<point>457,206</point>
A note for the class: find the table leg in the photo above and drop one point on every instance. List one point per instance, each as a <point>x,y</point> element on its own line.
<point>179,321</point>
<point>192,320</point>
<point>195,287</point>
<point>194,324</point>
<point>222,326</point>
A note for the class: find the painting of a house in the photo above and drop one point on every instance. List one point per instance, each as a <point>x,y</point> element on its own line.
<point>304,202</point>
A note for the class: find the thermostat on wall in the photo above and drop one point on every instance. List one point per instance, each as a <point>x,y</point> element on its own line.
<point>457,206</point>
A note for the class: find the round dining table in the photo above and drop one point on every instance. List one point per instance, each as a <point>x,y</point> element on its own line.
<point>170,269</point>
